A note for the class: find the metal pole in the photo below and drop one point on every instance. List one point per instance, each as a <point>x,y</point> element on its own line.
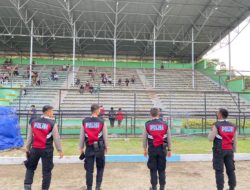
<point>229,56</point>
<point>74,54</point>
<point>31,51</point>
<point>205,107</point>
<point>114,61</point>
<point>193,82</point>
<point>134,111</point>
<point>154,58</point>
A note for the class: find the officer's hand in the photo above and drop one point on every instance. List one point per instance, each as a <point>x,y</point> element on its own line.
<point>145,153</point>
<point>27,154</point>
<point>106,150</point>
<point>81,151</point>
<point>169,154</point>
<point>61,154</point>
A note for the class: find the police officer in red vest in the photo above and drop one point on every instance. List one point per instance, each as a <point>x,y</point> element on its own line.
<point>157,145</point>
<point>224,137</point>
<point>94,136</point>
<point>40,139</point>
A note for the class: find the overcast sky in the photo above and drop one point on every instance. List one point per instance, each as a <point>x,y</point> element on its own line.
<point>240,48</point>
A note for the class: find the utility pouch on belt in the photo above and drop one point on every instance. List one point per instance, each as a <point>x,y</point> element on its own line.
<point>165,145</point>
<point>96,146</point>
<point>99,148</point>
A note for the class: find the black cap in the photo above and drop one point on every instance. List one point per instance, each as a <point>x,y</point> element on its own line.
<point>46,108</point>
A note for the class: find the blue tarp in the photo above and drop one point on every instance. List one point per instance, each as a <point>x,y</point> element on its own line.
<point>10,136</point>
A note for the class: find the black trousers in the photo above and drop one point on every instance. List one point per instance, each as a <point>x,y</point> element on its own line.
<point>47,166</point>
<point>90,160</point>
<point>157,164</point>
<point>112,122</point>
<point>221,158</point>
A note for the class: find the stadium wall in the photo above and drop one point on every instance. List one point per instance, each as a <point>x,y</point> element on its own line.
<point>221,77</point>
<point>104,63</point>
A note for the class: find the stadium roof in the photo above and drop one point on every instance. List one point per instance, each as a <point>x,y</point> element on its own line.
<point>131,22</point>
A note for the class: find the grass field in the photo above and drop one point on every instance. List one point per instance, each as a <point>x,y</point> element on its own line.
<point>181,145</point>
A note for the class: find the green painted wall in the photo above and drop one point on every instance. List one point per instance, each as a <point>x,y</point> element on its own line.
<point>7,96</point>
<point>236,85</point>
<point>120,64</point>
<point>210,70</point>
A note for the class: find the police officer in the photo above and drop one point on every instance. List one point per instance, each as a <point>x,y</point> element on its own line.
<point>224,137</point>
<point>94,136</point>
<point>157,145</point>
<point>42,133</point>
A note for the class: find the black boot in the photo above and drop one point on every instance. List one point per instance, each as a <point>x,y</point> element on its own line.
<point>89,188</point>
<point>153,188</point>
<point>98,187</point>
<point>162,187</point>
<point>27,186</point>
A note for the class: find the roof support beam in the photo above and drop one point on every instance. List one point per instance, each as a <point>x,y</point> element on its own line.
<point>204,16</point>
<point>159,22</point>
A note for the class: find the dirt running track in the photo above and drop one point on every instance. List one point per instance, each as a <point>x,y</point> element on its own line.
<point>126,176</point>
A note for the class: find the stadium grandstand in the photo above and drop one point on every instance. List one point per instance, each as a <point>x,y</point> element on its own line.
<point>122,54</point>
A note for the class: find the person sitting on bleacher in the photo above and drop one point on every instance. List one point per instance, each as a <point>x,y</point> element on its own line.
<point>64,68</point>
<point>34,78</point>
<point>119,81</point>
<point>91,89</point>
<point>15,72</point>
<point>81,90</point>
<point>1,79</point>
<point>54,75</point>
<point>127,81</point>
<point>104,79</point>
<point>87,85</point>
<point>133,79</point>
<point>78,81</point>
<point>109,80</point>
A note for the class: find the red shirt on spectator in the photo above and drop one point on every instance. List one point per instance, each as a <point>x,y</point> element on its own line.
<point>119,116</point>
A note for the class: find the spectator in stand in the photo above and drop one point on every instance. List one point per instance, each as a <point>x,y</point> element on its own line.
<point>53,73</point>
<point>81,90</point>
<point>15,72</point>
<point>67,67</point>
<point>33,63</point>
<point>133,79</point>
<point>32,113</point>
<point>104,79</point>
<point>119,81</point>
<point>1,79</point>
<point>24,92</point>
<point>56,77</point>
<point>91,89</point>
<point>109,80</point>
<point>64,68</point>
<point>87,85</point>
<point>162,66</point>
<point>112,117</point>
<point>28,71</point>
<point>38,81</point>
<point>119,117</point>
<point>102,112</point>
<point>78,81</point>
<point>90,72</point>
<point>34,78</point>
<point>127,81</point>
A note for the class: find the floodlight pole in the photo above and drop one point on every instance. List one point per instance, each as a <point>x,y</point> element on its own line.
<point>31,51</point>
<point>114,61</point>
<point>193,79</point>
<point>229,56</point>
<point>154,58</point>
<point>74,53</point>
